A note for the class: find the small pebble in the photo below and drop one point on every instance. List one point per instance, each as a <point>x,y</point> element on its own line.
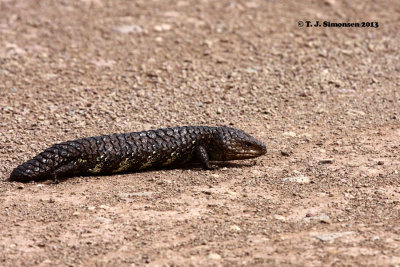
<point>162,27</point>
<point>126,29</point>
<point>381,162</point>
<point>285,153</point>
<point>214,256</point>
<point>331,236</point>
<point>323,218</point>
<point>289,134</point>
<point>306,136</point>
<point>236,228</point>
<point>326,161</point>
<point>101,220</point>
<point>257,172</point>
<point>280,217</point>
<point>330,2</point>
<point>301,179</point>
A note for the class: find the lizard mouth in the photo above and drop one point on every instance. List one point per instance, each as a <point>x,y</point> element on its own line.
<point>248,154</point>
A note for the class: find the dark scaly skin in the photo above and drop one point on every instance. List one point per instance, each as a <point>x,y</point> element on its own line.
<point>117,153</point>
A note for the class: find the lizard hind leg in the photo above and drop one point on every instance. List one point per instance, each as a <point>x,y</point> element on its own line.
<point>68,169</point>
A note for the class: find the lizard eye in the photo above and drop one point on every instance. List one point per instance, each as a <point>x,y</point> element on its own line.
<point>248,145</point>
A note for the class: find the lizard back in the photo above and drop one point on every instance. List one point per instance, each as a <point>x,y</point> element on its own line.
<point>134,151</point>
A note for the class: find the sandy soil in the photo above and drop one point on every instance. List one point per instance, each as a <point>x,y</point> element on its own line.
<point>326,101</point>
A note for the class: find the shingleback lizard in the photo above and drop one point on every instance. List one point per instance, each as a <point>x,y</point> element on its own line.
<point>124,152</point>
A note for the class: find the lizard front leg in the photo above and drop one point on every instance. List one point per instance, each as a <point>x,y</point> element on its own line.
<point>201,154</point>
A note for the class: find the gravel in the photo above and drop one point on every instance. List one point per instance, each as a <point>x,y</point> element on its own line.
<point>70,69</point>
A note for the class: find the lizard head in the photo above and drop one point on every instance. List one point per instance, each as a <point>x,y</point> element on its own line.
<point>235,144</point>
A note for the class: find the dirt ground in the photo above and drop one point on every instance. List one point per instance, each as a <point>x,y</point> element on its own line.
<point>325,101</point>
